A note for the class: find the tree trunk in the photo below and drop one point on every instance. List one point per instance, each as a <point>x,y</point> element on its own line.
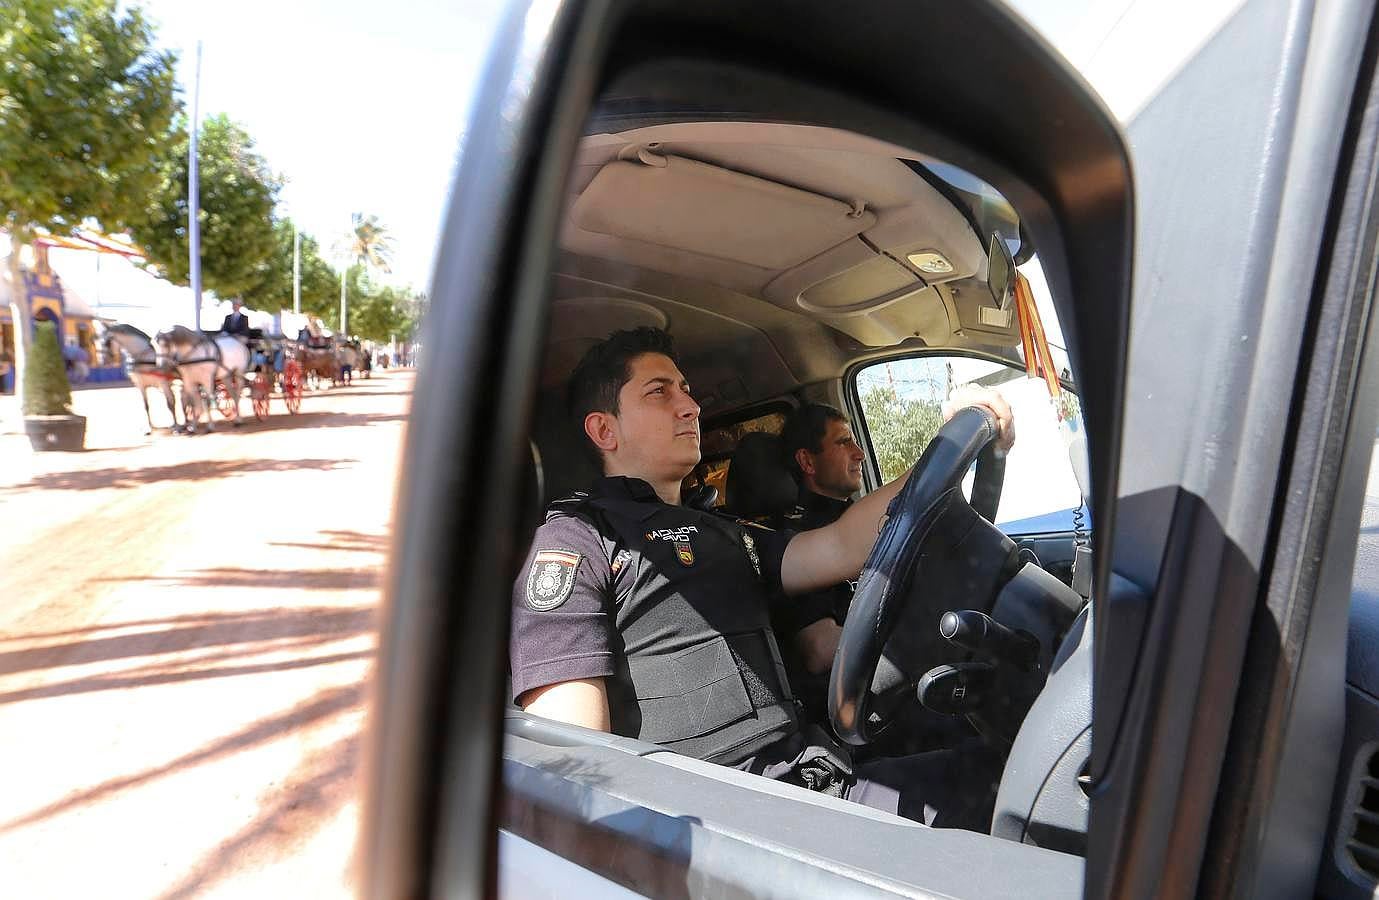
<point>19,318</point>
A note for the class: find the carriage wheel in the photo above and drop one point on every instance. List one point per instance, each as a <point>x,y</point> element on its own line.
<point>259,392</point>
<point>292,386</point>
<point>224,403</point>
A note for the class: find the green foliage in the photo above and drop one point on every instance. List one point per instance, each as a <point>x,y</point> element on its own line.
<point>1069,408</point>
<point>368,243</point>
<point>46,389</point>
<point>85,105</point>
<point>272,287</point>
<point>376,312</point>
<point>386,313</point>
<point>900,428</point>
<point>237,194</point>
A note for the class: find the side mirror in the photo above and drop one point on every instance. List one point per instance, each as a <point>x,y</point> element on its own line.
<point>988,96</point>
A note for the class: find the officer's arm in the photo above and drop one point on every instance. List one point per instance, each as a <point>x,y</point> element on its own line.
<point>816,559</point>
<point>825,556</point>
<point>583,702</point>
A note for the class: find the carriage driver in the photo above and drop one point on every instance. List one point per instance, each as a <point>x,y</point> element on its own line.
<point>638,615</point>
<point>236,323</point>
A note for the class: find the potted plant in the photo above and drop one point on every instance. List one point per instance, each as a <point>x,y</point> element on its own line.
<point>47,401</point>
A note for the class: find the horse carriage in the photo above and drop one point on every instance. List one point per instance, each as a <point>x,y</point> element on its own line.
<point>320,362</point>
<point>213,369</point>
<point>274,364</point>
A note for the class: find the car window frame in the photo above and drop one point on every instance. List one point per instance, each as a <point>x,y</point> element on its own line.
<point>852,398</point>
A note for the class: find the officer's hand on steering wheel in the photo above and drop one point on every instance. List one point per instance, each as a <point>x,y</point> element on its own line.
<point>989,400</point>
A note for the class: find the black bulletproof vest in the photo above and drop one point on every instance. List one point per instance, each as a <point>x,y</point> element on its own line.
<point>699,671</point>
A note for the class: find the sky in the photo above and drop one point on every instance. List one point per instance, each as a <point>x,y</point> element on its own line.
<point>358,105</point>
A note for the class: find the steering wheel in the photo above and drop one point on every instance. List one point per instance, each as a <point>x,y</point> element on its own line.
<point>936,552</point>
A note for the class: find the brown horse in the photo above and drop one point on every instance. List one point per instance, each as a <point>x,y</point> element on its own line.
<point>319,363</point>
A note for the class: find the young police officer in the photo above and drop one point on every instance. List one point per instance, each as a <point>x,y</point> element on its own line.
<point>637,615</point>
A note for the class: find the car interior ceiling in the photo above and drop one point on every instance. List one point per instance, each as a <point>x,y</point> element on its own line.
<point>776,255</point>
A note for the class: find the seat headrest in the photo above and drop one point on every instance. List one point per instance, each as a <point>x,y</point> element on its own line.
<point>758,483</point>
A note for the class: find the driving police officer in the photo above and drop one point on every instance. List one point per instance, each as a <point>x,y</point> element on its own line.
<point>826,461</point>
<point>639,615</point>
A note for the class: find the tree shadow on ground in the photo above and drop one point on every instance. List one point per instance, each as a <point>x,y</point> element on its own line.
<point>198,470</point>
<point>192,619</point>
<point>178,673</point>
<point>292,579</point>
<point>257,627</point>
<point>325,704</point>
<point>355,541</point>
<point>320,785</point>
<point>280,419</point>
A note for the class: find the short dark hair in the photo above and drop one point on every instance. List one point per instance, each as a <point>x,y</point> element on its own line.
<point>606,367</point>
<point>804,430</point>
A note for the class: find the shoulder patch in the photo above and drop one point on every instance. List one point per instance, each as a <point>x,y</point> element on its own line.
<point>551,578</point>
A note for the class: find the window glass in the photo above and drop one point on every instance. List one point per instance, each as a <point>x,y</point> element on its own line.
<point>901,402</point>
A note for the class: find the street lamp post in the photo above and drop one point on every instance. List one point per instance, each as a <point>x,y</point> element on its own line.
<point>344,271</point>
<point>193,199</point>
<point>296,270</point>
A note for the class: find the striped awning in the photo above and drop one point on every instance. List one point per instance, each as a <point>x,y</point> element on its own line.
<point>92,241</point>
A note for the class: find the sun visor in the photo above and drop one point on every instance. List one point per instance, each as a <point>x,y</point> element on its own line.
<point>678,203</point>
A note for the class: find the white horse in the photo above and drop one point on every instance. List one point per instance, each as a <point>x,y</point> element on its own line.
<point>145,370</point>
<point>200,358</point>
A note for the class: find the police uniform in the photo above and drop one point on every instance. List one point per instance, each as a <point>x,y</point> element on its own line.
<point>791,615</point>
<point>796,613</point>
<point>670,605</point>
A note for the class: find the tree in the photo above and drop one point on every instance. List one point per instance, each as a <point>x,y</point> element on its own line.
<point>47,391</point>
<point>85,104</point>
<point>366,246</point>
<point>899,428</point>
<point>383,313</point>
<point>368,243</point>
<point>272,287</point>
<point>236,199</point>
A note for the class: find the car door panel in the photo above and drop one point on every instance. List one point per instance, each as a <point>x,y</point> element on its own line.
<point>667,826</point>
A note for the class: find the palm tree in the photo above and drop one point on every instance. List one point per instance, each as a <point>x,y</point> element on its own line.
<point>366,244</point>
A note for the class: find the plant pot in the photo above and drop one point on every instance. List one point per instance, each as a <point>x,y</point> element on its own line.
<point>56,432</point>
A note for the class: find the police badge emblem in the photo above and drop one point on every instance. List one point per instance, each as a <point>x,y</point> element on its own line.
<point>551,578</point>
<point>684,552</point>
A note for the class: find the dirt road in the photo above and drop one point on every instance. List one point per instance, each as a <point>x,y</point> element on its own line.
<point>187,626</point>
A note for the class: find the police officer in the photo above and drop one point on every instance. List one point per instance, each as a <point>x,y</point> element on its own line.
<point>638,615</point>
<point>826,461</point>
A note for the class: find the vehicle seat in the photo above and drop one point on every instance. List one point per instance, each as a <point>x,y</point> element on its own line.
<point>759,487</point>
